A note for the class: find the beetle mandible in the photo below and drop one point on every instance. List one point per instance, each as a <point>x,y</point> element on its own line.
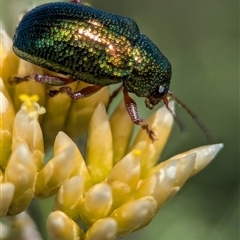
<point>100,48</point>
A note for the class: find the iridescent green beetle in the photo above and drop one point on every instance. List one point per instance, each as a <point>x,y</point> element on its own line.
<point>96,47</point>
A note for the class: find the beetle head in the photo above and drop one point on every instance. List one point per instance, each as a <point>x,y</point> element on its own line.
<point>158,95</point>
<point>151,73</point>
<point>151,78</point>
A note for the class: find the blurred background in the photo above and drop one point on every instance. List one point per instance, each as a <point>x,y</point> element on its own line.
<point>201,40</point>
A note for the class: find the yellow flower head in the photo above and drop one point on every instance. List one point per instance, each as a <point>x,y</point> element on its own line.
<point>115,189</point>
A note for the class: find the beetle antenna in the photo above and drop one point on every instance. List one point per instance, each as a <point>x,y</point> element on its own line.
<point>177,120</point>
<point>193,115</point>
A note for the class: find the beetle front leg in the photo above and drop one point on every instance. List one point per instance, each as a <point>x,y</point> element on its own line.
<point>83,93</point>
<point>132,109</point>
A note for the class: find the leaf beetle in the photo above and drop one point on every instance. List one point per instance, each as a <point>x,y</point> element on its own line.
<point>99,48</point>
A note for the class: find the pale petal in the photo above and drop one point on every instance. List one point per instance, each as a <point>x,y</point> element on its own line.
<point>161,123</point>
<point>9,60</point>
<point>99,153</point>
<point>26,128</point>
<point>159,185</point>
<point>6,113</point>
<point>96,204</point>
<point>124,177</point>
<point>6,125</point>
<point>1,176</point>
<point>25,227</point>
<point>82,110</point>
<point>185,167</point>
<point>62,142</point>
<point>4,90</point>
<point>6,45</point>
<point>5,147</point>
<point>134,214</point>
<point>61,227</point>
<point>69,196</point>
<point>56,116</point>
<point>21,171</point>
<point>58,169</point>
<point>204,155</point>
<point>103,229</point>
<point>6,230</point>
<point>6,195</point>
<point>122,128</point>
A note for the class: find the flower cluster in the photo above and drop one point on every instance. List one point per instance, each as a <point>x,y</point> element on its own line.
<point>115,189</point>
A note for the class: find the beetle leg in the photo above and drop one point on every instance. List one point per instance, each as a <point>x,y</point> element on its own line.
<point>52,80</point>
<point>43,78</point>
<point>83,93</point>
<point>17,80</point>
<point>131,107</point>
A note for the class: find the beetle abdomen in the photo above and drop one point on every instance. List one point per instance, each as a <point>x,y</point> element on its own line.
<point>79,41</point>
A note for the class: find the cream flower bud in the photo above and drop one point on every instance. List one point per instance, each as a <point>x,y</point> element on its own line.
<point>9,60</point>
<point>26,128</point>
<point>58,169</point>
<point>99,153</point>
<point>79,168</point>
<point>26,227</point>
<point>134,214</point>
<point>6,195</point>
<point>159,185</point>
<point>121,139</point>
<point>21,171</point>
<point>204,155</point>
<point>6,122</point>
<point>83,110</point>
<point>161,123</point>
<point>124,177</point>
<point>61,227</point>
<point>69,196</point>
<point>103,229</point>
<point>96,204</point>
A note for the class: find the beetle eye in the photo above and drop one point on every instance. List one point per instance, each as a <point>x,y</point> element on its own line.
<point>161,89</point>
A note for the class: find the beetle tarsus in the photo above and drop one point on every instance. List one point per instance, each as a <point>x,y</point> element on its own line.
<point>144,125</point>
<point>17,80</point>
<point>53,93</point>
<point>67,90</point>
